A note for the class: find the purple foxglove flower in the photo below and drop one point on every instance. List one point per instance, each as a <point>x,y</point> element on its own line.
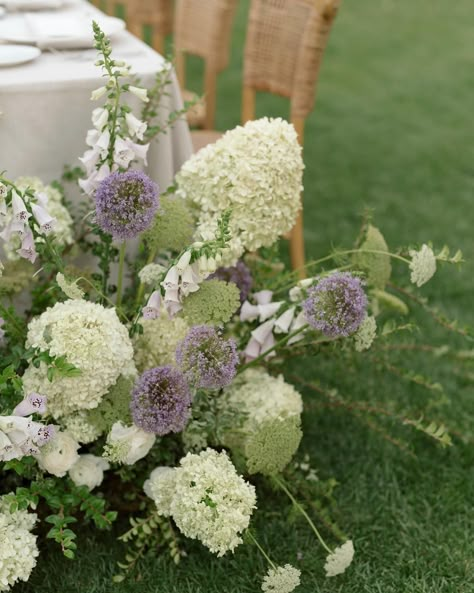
<point>34,403</point>
<point>249,312</point>
<point>45,434</point>
<point>28,249</point>
<point>20,213</point>
<point>152,308</point>
<point>45,221</point>
<point>263,297</point>
<point>161,401</point>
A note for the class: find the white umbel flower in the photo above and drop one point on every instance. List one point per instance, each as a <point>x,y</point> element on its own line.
<point>80,428</point>
<point>366,333</point>
<point>88,471</point>
<point>256,170</point>
<point>340,559</point>
<point>151,274</point>
<point>18,549</point>
<point>422,265</point>
<point>282,579</point>
<point>212,503</point>
<point>91,338</point>
<point>70,289</point>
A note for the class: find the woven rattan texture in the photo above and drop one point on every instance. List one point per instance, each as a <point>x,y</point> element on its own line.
<point>285,43</point>
<point>157,13</point>
<point>203,28</point>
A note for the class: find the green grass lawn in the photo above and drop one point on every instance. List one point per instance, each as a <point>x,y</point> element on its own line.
<point>392,130</point>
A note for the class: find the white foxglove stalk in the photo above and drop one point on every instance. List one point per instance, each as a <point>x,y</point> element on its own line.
<point>88,471</point>
<point>268,310</point>
<point>28,249</point>
<point>90,184</point>
<point>45,221</point>
<point>58,456</point>
<point>128,444</point>
<point>92,136</point>
<point>298,322</point>
<point>263,297</point>
<point>22,436</point>
<point>103,142</point>
<point>152,308</point>
<point>139,92</point>
<point>262,332</point>
<point>98,93</point>
<point>249,312</point>
<point>282,324</point>
<point>252,350</point>
<point>211,265</point>
<point>171,279</point>
<point>3,204</point>
<point>20,213</point>
<point>90,159</point>
<point>135,126</point>
<point>202,265</point>
<point>123,154</point>
<point>140,150</point>
<point>189,281</point>
<point>100,117</point>
<point>3,190</point>
<point>34,403</point>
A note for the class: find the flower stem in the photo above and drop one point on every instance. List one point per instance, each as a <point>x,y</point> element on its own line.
<point>120,273</point>
<point>297,505</point>
<point>264,554</point>
<point>141,286</point>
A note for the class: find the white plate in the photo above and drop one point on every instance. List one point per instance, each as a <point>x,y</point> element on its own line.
<point>66,29</point>
<point>11,55</point>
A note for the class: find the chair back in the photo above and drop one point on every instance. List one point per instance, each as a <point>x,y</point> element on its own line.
<point>284,47</point>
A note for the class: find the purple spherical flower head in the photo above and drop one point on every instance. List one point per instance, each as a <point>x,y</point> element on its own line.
<point>238,274</point>
<point>161,401</point>
<point>207,360</point>
<point>337,305</point>
<point>126,204</point>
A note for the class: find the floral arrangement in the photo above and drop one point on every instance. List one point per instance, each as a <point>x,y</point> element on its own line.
<point>171,380</point>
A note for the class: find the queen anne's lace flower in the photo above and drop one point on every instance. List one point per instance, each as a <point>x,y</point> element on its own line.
<point>240,275</point>
<point>422,265</point>
<point>18,549</point>
<point>161,487</point>
<point>93,340</point>
<point>340,559</point>
<point>70,289</point>
<point>212,503</point>
<point>365,335</point>
<point>156,346</point>
<point>256,170</point>
<point>151,274</point>
<point>214,303</point>
<point>282,579</point>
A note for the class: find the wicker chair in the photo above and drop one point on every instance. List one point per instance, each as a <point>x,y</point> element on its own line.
<point>285,44</point>
<point>203,28</point>
<point>156,14</point>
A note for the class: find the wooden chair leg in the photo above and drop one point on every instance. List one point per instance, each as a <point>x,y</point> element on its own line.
<point>297,247</point>
<point>158,43</point>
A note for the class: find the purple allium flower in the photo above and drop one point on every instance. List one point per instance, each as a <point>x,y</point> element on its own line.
<point>336,306</point>
<point>206,359</point>
<point>161,401</point>
<point>238,274</point>
<point>126,204</point>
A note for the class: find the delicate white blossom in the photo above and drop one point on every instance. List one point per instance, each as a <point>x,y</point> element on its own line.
<point>70,289</point>
<point>340,559</point>
<point>91,338</point>
<point>151,274</point>
<point>161,487</point>
<point>80,428</point>
<point>128,444</point>
<point>257,171</point>
<point>422,265</point>
<point>139,92</point>
<point>88,471</point>
<point>59,455</point>
<point>365,335</point>
<point>21,436</point>
<point>282,579</point>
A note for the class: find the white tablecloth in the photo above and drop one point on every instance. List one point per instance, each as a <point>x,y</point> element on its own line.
<point>46,110</point>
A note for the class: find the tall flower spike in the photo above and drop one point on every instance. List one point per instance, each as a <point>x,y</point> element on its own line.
<point>20,213</point>
<point>45,221</point>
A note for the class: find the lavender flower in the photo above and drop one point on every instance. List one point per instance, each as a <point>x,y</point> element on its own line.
<point>161,401</point>
<point>336,306</point>
<point>126,204</point>
<point>238,274</point>
<point>206,359</point>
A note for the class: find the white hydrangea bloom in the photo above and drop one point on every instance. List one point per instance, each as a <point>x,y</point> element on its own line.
<point>366,333</point>
<point>212,503</point>
<point>340,559</point>
<point>70,289</point>
<point>151,274</point>
<point>88,471</point>
<point>59,455</point>
<point>128,444</point>
<point>18,549</point>
<point>262,396</point>
<point>257,171</point>
<point>422,265</point>
<point>91,338</point>
<point>282,579</point>
<point>79,427</point>
<point>161,487</point>
<point>157,345</point>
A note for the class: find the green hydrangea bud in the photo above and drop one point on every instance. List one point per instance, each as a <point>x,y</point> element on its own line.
<point>213,304</point>
<point>172,227</point>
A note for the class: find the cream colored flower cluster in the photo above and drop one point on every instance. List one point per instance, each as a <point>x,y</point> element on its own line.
<point>207,499</point>
<point>156,346</point>
<point>256,170</point>
<point>93,340</point>
<point>18,549</point>
<point>281,579</point>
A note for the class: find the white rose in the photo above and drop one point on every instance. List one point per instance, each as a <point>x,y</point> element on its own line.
<point>88,471</point>
<point>58,456</point>
<point>128,444</point>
